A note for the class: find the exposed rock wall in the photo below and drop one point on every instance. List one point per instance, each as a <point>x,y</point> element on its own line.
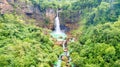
<point>50,14</point>
<point>5,7</point>
<point>32,11</point>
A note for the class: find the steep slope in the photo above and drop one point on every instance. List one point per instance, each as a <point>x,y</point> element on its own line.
<point>24,45</point>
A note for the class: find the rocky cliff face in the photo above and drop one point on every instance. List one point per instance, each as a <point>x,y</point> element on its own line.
<point>27,9</point>
<point>32,11</point>
<point>50,14</point>
<point>5,7</point>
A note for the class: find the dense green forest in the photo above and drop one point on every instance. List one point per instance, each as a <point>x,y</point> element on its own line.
<point>97,44</point>
<point>24,45</point>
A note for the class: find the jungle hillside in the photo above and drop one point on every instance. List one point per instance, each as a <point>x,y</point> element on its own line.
<point>59,33</point>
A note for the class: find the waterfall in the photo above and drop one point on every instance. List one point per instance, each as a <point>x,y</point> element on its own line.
<point>57,25</point>
<point>57,33</point>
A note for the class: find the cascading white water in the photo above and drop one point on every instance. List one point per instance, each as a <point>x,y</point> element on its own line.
<point>57,33</point>
<point>57,25</point>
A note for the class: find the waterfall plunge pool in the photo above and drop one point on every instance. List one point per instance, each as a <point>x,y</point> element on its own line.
<point>57,33</point>
<point>58,36</point>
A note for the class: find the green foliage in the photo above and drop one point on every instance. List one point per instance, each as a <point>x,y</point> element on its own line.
<point>98,46</point>
<point>24,45</point>
<point>102,33</point>
<point>97,55</point>
<point>10,18</point>
<point>55,4</point>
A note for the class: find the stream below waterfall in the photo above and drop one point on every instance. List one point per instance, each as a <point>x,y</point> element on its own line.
<point>65,53</point>
<point>61,36</point>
